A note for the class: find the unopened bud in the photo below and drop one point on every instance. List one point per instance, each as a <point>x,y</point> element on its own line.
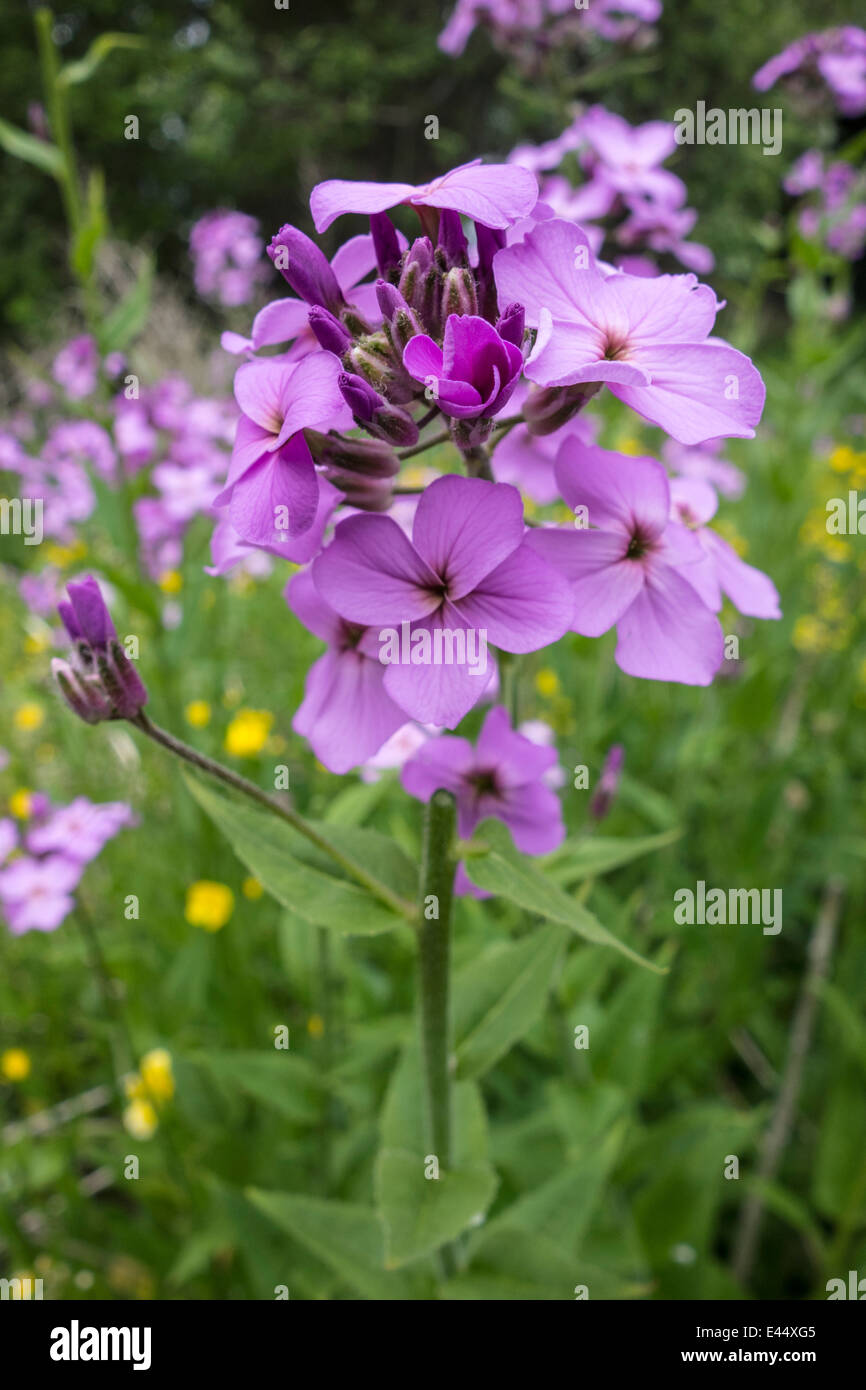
<point>548,408</point>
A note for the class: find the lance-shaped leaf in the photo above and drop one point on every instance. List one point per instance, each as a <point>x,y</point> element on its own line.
<point>599,854</point>
<point>303,877</point>
<point>84,68</point>
<point>496,866</point>
<point>42,153</point>
<point>500,995</point>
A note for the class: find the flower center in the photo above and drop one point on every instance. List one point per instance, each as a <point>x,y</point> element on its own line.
<point>639,545</point>
<point>484,782</point>
<point>615,349</point>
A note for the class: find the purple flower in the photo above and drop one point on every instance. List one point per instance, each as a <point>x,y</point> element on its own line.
<point>702,461</point>
<point>627,157</point>
<point>467,575</point>
<point>346,713</point>
<point>647,340</point>
<point>720,570</point>
<point>502,776</point>
<point>228,550</point>
<point>226,251</point>
<point>631,569</point>
<point>493,194</point>
<point>272,485</point>
<point>80,830</point>
<point>36,894</point>
<point>475,371</point>
<point>101,683</point>
<point>76,366</point>
<point>836,56</point>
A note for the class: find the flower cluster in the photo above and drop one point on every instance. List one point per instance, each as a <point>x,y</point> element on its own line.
<point>226,250</point>
<point>834,203</point>
<point>40,870</point>
<point>832,60</point>
<point>624,196</point>
<point>496,325</point>
<point>546,23</point>
<point>173,443</point>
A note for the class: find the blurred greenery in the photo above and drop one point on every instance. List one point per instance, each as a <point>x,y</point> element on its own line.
<point>608,1163</point>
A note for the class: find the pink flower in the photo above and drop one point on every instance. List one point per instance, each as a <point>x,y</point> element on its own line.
<point>632,567</point>
<point>36,894</point>
<point>720,571</point>
<point>473,373</point>
<point>80,830</point>
<point>467,573</point>
<point>272,485</point>
<point>647,340</point>
<point>502,776</point>
<point>76,366</point>
<point>346,713</point>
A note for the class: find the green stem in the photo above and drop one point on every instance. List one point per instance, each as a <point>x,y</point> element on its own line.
<point>122,1046</point>
<point>58,115</point>
<point>441,438</point>
<point>434,933</point>
<point>249,789</point>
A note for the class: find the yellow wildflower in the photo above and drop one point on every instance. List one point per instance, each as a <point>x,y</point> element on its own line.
<point>15,1064</point>
<point>140,1119</point>
<point>247,733</point>
<point>198,713</point>
<point>28,716</point>
<point>209,905</point>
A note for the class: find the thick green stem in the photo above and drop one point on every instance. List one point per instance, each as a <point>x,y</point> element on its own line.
<point>434,937</point>
<point>246,788</point>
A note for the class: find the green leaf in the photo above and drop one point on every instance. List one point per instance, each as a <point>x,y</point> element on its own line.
<point>599,854</point>
<point>502,870</point>
<point>42,153</point>
<point>348,1239</point>
<point>289,1085</point>
<point>499,997</point>
<point>123,325</point>
<point>422,1213</point>
<point>271,850</point>
<point>84,68</point>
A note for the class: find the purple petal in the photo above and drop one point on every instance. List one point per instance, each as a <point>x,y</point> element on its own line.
<point>346,714</point>
<point>287,480</point>
<point>437,693</point>
<point>371,574</point>
<point>523,604</point>
<point>668,634</point>
<point>621,493</point>
<point>545,271</point>
<point>465,527</point>
<point>690,390</point>
<point>329,200</point>
<point>439,763</point>
<point>603,583</point>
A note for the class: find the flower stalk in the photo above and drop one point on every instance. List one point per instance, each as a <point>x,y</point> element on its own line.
<point>434,991</point>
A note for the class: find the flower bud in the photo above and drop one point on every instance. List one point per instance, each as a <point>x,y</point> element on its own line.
<point>512,324</point>
<point>385,243</point>
<point>399,321</point>
<point>373,359</point>
<point>548,408</point>
<point>372,458</point>
<point>452,246</point>
<point>458,294</point>
<point>330,333</point>
<point>305,268</point>
<point>103,683</point>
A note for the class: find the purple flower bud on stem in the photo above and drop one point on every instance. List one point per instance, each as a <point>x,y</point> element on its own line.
<point>458,294</point>
<point>608,782</point>
<point>385,243</point>
<point>330,333</point>
<point>452,241</point>
<point>512,324</point>
<point>550,407</point>
<point>103,684</point>
<point>306,269</point>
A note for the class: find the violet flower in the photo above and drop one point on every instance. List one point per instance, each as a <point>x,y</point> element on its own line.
<point>346,714</point>
<point>502,776</point>
<point>632,567</point>
<point>467,573</point>
<point>272,485</point>
<point>475,371</point>
<point>36,894</point>
<point>647,340</point>
<point>720,570</point>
